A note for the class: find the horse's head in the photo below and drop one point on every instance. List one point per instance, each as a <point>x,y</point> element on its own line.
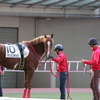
<point>48,42</point>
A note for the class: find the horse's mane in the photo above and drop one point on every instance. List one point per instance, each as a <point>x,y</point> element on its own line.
<point>35,41</point>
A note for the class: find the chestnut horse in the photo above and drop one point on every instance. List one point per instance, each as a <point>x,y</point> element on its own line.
<point>36,48</point>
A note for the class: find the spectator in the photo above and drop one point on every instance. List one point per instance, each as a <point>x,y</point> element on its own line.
<point>1,73</point>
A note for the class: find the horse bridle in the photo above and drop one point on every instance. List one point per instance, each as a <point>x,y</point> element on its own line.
<point>47,43</point>
<point>44,54</point>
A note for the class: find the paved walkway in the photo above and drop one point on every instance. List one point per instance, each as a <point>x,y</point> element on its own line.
<point>42,90</point>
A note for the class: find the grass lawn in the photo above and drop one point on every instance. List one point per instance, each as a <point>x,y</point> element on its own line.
<point>74,96</point>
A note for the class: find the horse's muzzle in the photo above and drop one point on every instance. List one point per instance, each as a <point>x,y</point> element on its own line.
<point>48,57</point>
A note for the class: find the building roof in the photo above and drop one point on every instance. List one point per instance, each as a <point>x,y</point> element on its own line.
<point>53,4</point>
<point>68,4</point>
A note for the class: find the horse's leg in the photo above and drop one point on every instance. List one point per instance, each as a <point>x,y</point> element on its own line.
<point>29,93</point>
<point>25,85</point>
<point>25,92</point>
<point>30,76</point>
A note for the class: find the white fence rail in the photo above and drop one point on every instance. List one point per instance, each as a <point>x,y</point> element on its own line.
<point>46,67</point>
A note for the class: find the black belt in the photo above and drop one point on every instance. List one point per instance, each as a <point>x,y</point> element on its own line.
<point>96,70</point>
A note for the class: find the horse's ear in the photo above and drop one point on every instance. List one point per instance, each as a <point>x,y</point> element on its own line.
<point>45,36</point>
<point>51,35</point>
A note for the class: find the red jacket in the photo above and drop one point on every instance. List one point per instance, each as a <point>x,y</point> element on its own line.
<point>95,62</point>
<point>1,69</point>
<point>62,62</point>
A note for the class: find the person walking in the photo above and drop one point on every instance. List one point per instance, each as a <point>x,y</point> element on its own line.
<point>62,66</point>
<point>1,73</point>
<point>95,66</point>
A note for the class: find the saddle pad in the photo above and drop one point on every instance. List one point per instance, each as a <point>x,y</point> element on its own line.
<point>12,51</point>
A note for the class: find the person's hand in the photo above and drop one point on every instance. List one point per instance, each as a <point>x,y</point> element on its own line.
<point>50,57</point>
<point>82,61</point>
<point>58,70</point>
<point>1,73</point>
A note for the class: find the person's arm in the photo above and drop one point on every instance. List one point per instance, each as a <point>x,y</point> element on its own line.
<point>59,59</point>
<point>94,60</point>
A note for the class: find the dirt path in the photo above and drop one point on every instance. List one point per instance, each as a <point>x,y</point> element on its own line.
<point>42,90</point>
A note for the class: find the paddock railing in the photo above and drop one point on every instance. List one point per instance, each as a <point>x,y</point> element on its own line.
<point>73,66</point>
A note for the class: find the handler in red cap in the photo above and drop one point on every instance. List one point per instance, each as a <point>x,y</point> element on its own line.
<point>62,68</point>
<point>95,66</point>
